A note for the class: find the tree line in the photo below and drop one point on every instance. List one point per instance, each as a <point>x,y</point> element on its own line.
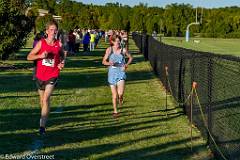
<point>171,20</point>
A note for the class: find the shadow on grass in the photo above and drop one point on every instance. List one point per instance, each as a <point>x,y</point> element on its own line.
<point>81,60</point>
<point>19,127</point>
<point>96,131</point>
<point>99,53</point>
<point>86,152</point>
<point>157,151</point>
<point>11,118</point>
<point>29,96</point>
<point>73,80</point>
<point>77,124</point>
<point>22,54</point>
<point>26,65</point>
<point>74,124</point>
<point>84,63</point>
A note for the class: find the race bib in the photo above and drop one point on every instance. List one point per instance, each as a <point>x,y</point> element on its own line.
<point>48,62</point>
<point>118,64</point>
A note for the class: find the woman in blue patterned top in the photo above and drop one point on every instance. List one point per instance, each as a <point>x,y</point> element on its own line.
<point>114,58</point>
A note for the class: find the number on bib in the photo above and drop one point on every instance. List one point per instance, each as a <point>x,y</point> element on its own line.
<point>48,62</point>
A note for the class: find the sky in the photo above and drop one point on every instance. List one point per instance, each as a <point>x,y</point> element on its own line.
<point>163,3</point>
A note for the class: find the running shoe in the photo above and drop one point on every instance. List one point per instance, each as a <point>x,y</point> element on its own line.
<point>42,131</point>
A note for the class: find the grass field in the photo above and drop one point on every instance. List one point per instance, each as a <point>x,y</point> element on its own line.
<point>213,45</point>
<point>81,125</point>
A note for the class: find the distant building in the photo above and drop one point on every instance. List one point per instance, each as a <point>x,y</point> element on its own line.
<point>43,12</point>
<point>57,18</point>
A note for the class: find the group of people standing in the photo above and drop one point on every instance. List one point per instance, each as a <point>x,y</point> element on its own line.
<point>49,53</point>
<point>87,38</point>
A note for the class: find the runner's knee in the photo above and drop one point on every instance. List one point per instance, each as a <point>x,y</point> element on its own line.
<point>120,97</point>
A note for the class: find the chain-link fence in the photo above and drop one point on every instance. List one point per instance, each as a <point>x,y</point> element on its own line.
<point>218,87</point>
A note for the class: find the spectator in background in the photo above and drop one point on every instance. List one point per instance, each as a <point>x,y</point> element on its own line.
<point>78,40</point>
<point>71,42</point>
<point>110,34</point>
<point>92,40</point>
<point>98,36</point>
<point>80,32</point>
<point>154,34</point>
<point>63,38</point>
<point>86,41</point>
<point>106,37</point>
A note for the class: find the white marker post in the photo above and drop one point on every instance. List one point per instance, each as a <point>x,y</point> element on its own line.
<point>187,31</point>
<point>188,26</point>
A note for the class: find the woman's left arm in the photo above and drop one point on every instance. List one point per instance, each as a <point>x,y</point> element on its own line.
<point>62,57</point>
<point>129,56</point>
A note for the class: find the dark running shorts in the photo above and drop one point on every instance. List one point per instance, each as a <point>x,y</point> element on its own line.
<point>42,84</point>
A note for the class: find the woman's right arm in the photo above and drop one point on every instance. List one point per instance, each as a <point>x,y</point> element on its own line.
<point>33,55</point>
<point>105,58</point>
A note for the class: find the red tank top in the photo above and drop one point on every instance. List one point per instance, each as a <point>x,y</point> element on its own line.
<point>47,68</point>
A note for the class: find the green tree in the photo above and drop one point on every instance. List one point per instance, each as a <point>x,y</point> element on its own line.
<point>14,27</point>
<point>42,21</point>
<point>68,22</point>
<point>115,21</point>
<point>177,17</point>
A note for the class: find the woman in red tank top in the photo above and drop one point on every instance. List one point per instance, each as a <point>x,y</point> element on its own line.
<point>50,60</point>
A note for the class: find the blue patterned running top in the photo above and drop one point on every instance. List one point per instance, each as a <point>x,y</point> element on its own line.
<point>116,72</point>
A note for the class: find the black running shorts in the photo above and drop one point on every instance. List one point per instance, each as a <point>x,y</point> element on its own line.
<point>42,84</point>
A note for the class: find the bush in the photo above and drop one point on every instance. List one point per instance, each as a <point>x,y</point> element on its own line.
<point>15,27</point>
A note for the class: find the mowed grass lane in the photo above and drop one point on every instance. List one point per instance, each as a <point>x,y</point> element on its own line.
<point>213,45</point>
<point>81,125</point>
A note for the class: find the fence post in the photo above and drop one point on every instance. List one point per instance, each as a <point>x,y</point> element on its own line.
<point>167,87</point>
<point>141,37</point>
<point>146,47</point>
<point>209,104</point>
<point>192,68</point>
<point>180,84</point>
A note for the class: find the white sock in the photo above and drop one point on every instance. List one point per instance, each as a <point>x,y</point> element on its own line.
<point>43,121</point>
